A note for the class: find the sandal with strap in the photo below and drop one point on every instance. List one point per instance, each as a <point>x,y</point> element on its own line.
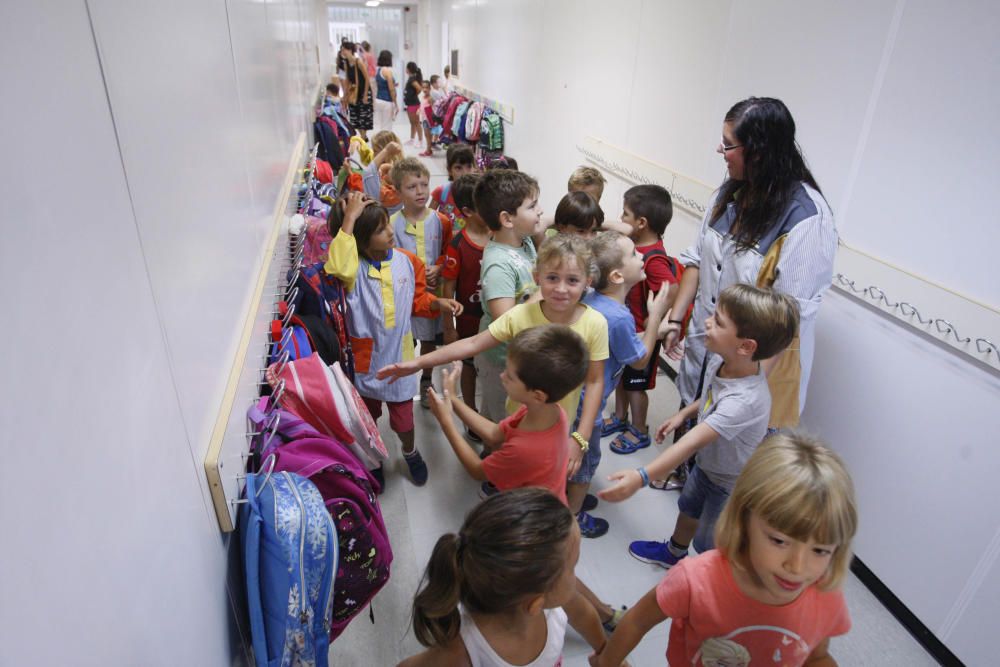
<point>611,425</point>
<point>622,445</point>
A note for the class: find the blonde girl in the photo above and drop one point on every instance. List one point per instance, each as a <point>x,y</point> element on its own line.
<point>492,593</point>
<point>772,585</point>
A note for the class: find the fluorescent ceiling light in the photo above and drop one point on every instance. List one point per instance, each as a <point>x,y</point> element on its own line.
<point>372,3</point>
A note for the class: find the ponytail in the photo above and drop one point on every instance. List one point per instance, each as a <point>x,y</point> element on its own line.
<point>435,608</point>
<point>511,546</point>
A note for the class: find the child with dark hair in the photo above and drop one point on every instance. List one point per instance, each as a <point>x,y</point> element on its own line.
<point>462,267</point>
<point>578,213</point>
<point>647,210</point>
<point>529,448</point>
<point>460,160</point>
<point>494,591</point>
<point>385,287</point>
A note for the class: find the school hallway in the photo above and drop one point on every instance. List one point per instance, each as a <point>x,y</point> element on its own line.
<point>152,160</point>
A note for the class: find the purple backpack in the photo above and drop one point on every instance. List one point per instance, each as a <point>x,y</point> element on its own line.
<point>348,490</point>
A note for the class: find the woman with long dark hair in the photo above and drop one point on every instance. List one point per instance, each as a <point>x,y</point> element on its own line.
<point>411,100</point>
<point>767,225</point>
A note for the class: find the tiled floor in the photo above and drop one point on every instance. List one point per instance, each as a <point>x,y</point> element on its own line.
<point>416,517</point>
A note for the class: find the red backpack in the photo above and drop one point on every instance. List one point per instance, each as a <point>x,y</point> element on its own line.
<point>677,269</point>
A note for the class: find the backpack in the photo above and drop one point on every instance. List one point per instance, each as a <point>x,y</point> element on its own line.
<point>449,114</point>
<point>458,122</point>
<point>677,269</point>
<point>439,107</point>
<point>290,555</point>
<point>316,246</point>
<point>473,121</point>
<point>313,393</point>
<point>349,493</point>
<point>324,295</point>
<point>491,132</point>
<point>293,339</point>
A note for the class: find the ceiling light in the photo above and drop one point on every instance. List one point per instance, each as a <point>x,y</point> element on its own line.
<point>372,3</point>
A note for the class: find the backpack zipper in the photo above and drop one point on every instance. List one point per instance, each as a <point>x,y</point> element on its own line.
<point>303,615</point>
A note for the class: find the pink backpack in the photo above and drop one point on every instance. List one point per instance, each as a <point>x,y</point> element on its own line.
<point>348,492</point>
<point>473,121</point>
<point>316,245</point>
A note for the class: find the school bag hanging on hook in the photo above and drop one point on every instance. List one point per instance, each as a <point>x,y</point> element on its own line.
<point>290,556</point>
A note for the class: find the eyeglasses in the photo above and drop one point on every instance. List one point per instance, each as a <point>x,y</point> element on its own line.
<point>723,148</point>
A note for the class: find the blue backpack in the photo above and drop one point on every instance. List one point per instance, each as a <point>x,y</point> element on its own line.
<point>290,554</point>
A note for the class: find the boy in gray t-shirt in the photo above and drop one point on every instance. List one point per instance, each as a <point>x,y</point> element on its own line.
<point>749,325</point>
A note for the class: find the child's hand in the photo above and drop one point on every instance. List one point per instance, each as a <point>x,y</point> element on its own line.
<point>393,147</point>
<point>658,305</point>
<point>432,271</point>
<point>669,426</point>
<point>627,482</point>
<point>448,304</point>
<point>396,371</point>
<point>450,375</point>
<point>353,204</point>
<point>575,458</point>
<point>617,226</point>
<point>440,405</point>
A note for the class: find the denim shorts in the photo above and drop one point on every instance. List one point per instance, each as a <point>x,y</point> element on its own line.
<point>591,459</point>
<point>702,499</point>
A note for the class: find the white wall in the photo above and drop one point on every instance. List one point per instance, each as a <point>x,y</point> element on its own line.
<point>144,148</point>
<point>894,103</point>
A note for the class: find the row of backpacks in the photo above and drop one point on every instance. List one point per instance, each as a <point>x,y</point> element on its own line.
<point>471,121</point>
<point>314,544</point>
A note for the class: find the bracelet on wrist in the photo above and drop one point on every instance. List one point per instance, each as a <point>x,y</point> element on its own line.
<point>675,321</point>
<point>584,445</point>
<point>644,475</point>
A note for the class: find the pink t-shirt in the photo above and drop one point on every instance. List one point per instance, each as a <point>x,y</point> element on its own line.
<point>530,458</point>
<point>714,623</point>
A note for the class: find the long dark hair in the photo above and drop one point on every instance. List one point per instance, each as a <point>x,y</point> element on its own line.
<point>509,547</point>
<point>370,221</point>
<point>772,166</point>
<point>412,67</point>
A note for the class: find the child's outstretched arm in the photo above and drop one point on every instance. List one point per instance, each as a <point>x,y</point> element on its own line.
<point>460,349</point>
<point>639,620</point>
<point>490,432</point>
<point>442,407</point>
<point>658,307</point>
<point>627,482</point>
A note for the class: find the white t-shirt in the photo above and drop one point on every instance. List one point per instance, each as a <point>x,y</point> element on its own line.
<point>481,654</point>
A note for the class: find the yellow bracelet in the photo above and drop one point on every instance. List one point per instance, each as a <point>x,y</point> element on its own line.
<point>584,445</point>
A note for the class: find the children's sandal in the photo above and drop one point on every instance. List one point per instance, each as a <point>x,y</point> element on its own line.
<point>611,425</point>
<point>622,445</point>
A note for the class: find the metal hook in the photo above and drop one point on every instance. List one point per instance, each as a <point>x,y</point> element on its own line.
<point>273,461</point>
<point>946,327</point>
<point>289,314</point>
<point>279,391</point>
<point>985,345</point>
<point>909,309</point>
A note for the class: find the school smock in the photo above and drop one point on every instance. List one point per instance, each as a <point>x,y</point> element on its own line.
<point>481,654</point>
<point>796,258</point>
<point>381,299</point>
<point>591,326</point>
<point>426,238</point>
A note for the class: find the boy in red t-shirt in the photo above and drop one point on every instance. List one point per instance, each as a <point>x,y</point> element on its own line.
<point>647,211</point>
<point>460,160</point>
<point>543,364</point>
<point>463,260</point>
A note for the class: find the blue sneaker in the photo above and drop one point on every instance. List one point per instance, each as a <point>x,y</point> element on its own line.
<point>589,502</point>
<point>655,553</point>
<point>591,526</point>
<point>418,469</point>
<point>487,489</point>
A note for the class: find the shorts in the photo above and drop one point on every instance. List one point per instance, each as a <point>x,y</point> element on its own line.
<point>412,108</point>
<point>633,380</point>
<point>493,405</point>
<point>591,458</point>
<point>400,414</point>
<point>361,116</point>
<point>702,499</point>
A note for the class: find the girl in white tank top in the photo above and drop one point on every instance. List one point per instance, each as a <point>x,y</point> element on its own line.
<point>492,594</point>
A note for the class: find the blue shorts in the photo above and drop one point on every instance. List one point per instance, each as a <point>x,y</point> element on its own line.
<point>702,499</point>
<point>591,459</point>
